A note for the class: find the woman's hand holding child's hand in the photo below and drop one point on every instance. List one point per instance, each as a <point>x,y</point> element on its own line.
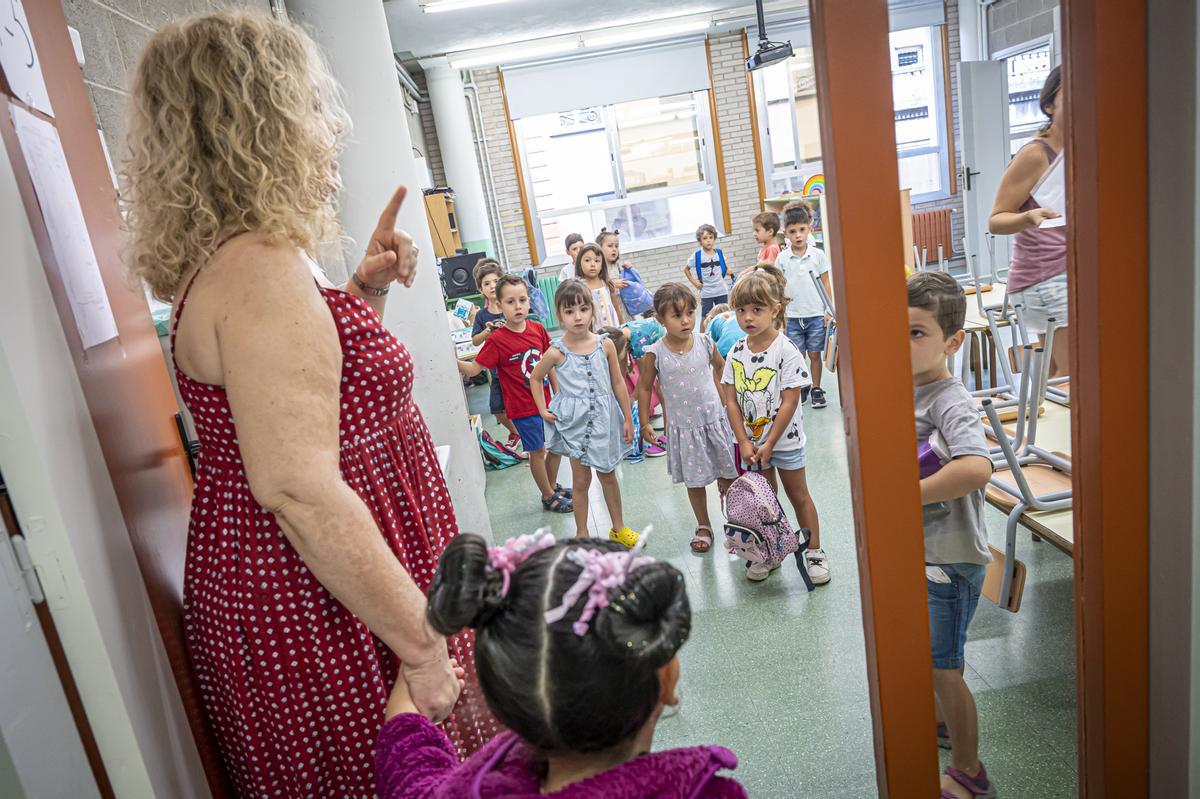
<point>549,417</point>
<point>434,683</point>
<point>401,700</point>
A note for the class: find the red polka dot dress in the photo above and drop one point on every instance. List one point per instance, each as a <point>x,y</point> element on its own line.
<point>293,683</point>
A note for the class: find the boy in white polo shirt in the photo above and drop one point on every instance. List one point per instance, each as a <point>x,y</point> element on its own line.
<point>806,316</point>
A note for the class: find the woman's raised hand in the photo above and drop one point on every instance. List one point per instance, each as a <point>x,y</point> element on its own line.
<point>391,255</point>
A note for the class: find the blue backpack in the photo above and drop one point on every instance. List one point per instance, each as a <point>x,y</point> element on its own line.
<point>495,454</point>
<point>539,309</point>
<point>720,257</point>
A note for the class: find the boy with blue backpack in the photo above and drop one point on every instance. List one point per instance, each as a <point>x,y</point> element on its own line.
<point>707,270</point>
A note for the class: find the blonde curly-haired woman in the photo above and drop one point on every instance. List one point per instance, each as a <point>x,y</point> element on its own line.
<point>319,517</point>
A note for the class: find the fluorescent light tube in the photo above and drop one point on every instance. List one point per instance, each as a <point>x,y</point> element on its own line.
<point>435,6</point>
<point>645,33</point>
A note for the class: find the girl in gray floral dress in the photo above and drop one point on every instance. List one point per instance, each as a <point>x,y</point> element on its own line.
<point>699,438</point>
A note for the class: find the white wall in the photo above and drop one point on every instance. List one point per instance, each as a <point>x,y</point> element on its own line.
<point>378,157</point>
<point>67,509</point>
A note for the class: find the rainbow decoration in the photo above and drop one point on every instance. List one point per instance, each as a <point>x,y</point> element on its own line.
<point>815,185</point>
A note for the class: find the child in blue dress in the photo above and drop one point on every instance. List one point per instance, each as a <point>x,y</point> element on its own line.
<point>590,420</point>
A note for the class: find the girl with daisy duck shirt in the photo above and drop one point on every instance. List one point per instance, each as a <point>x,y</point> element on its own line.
<point>763,381</point>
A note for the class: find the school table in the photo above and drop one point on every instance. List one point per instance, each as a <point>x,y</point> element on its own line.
<point>1056,526</point>
<point>1053,429</point>
<point>993,296</point>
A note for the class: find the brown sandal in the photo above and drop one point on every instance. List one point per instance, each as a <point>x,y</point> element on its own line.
<point>701,544</point>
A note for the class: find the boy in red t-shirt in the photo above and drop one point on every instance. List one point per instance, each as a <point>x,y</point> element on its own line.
<point>766,228</point>
<point>513,350</point>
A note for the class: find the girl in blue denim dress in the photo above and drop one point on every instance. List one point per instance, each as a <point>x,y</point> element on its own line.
<point>590,420</point>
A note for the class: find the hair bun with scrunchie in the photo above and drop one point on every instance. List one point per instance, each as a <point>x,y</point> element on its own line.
<point>648,618</point>
<point>466,590</point>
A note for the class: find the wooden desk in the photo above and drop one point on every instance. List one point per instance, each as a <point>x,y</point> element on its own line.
<point>994,296</point>
<point>1053,429</point>
<point>1055,526</point>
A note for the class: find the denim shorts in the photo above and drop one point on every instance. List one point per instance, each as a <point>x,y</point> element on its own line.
<point>532,431</point>
<point>808,333</point>
<point>708,303</point>
<point>951,607</point>
<point>789,460</point>
<point>1042,301</point>
<point>496,398</point>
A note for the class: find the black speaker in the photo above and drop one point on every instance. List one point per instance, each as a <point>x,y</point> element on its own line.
<point>457,280</point>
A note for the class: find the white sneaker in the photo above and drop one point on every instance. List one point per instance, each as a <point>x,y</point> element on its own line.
<point>818,566</point>
<point>757,572</point>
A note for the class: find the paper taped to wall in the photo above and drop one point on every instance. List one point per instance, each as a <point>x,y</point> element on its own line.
<point>66,227</point>
<point>19,59</point>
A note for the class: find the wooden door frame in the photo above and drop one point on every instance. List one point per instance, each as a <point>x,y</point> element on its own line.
<point>1105,71</point>
<point>133,412</point>
<point>854,82</point>
<point>1108,276</point>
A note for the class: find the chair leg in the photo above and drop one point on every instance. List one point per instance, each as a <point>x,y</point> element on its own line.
<point>992,355</point>
<point>1010,553</point>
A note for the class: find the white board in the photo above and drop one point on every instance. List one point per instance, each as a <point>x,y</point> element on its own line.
<point>19,59</point>
<point>66,227</point>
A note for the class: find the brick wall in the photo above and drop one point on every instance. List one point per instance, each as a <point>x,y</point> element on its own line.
<point>1013,22</point>
<point>737,146</point>
<point>507,214</point>
<point>433,151</point>
<point>113,33</point>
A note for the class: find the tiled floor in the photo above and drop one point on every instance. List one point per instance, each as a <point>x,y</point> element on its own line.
<point>779,675</point>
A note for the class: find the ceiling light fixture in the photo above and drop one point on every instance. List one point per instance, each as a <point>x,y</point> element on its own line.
<point>490,57</point>
<point>644,33</point>
<point>434,6</point>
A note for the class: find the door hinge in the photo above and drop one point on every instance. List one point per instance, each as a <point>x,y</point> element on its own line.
<point>27,570</point>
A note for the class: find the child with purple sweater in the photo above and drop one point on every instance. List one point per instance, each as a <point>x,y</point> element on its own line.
<point>576,653</point>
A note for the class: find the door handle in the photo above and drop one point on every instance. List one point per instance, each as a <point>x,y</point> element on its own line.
<point>968,174</point>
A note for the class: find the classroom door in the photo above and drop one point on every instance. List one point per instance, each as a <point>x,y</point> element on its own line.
<point>36,727</point>
<point>983,100</point>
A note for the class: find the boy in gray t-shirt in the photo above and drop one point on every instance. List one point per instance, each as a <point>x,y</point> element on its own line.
<point>956,551</point>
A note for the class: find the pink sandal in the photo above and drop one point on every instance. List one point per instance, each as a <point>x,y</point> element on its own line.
<point>976,786</point>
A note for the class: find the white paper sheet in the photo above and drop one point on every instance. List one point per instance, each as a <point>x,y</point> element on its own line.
<point>1051,191</point>
<point>66,227</point>
<point>18,57</point>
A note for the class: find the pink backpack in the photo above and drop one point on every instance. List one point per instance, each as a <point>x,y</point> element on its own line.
<point>756,528</point>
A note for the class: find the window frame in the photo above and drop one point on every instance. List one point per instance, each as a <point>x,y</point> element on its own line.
<point>1048,41</point>
<point>705,125</point>
<point>942,121</point>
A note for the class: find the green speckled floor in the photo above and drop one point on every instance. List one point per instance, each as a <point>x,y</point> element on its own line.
<point>809,733</point>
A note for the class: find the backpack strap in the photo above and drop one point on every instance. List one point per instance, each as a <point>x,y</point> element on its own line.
<point>699,276</point>
<point>721,258</point>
